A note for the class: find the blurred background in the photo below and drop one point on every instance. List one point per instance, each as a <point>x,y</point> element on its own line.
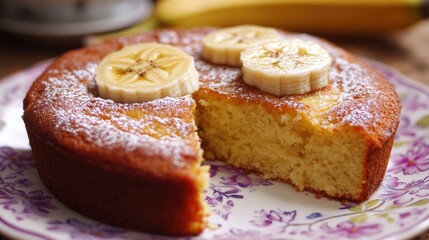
<point>395,32</point>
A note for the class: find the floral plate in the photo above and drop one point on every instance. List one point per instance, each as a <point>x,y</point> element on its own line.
<point>244,206</point>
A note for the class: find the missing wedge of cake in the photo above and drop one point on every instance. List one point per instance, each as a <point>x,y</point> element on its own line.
<point>125,115</point>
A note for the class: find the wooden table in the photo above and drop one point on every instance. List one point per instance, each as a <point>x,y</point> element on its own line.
<point>407,51</point>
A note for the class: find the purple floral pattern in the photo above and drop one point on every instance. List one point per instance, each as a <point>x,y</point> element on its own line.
<point>33,203</point>
<point>414,102</point>
<point>236,177</point>
<point>236,233</point>
<point>78,229</point>
<point>277,220</point>
<point>15,190</point>
<point>406,128</point>
<point>232,181</point>
<point>401,193</point>
<point>243,205</point>
<point>17,161</point>
<point>345,230</point>
<point>415,159</point>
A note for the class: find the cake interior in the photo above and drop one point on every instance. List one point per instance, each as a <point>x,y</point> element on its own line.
<point>285,146</point>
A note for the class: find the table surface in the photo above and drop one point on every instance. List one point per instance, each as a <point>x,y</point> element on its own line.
<point>407,51</point>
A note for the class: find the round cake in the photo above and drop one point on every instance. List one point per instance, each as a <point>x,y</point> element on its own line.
<point>138,165</point>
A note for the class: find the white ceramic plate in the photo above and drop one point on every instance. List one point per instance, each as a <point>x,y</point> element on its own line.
<point>244,206</point>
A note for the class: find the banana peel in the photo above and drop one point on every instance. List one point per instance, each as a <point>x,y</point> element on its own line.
<point>338,17</point>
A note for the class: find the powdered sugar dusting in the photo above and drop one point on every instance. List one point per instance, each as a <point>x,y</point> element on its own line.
<point>362,99</point>
<point>355,96</point>
<point>168,37</point>
<point>86,73</point>
<point>216,78</point>
<point>159,127</point>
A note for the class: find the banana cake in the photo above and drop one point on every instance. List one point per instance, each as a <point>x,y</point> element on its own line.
<point>138,164</point>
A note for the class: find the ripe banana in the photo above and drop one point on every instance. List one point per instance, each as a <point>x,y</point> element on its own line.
<point>314,16</point>
<point>146,71</point>
<point>286,67</point>
<point>224,46</point>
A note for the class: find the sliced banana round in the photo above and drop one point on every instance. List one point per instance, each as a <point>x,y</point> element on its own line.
<point>286,67</point>
<point>224,46</point>
<point>146,71</point>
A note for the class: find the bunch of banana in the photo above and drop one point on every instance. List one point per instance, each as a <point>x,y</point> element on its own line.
<point>146,71</point>
<point>315,16</point>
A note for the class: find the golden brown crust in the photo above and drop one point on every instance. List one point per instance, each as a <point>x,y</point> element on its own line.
<point>147,203</point>
<point>89,150</point>
<point>64,98</point>
<point>375,168</point>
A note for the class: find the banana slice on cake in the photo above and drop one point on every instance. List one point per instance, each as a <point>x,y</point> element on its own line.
<point>146,71</point>
<point>224,46</point>
<point>286,67</point>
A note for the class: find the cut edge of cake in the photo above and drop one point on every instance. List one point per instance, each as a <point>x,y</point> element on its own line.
<point>339,163</point>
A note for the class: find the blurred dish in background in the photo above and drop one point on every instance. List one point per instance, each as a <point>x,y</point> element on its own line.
<point>63,18</point>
